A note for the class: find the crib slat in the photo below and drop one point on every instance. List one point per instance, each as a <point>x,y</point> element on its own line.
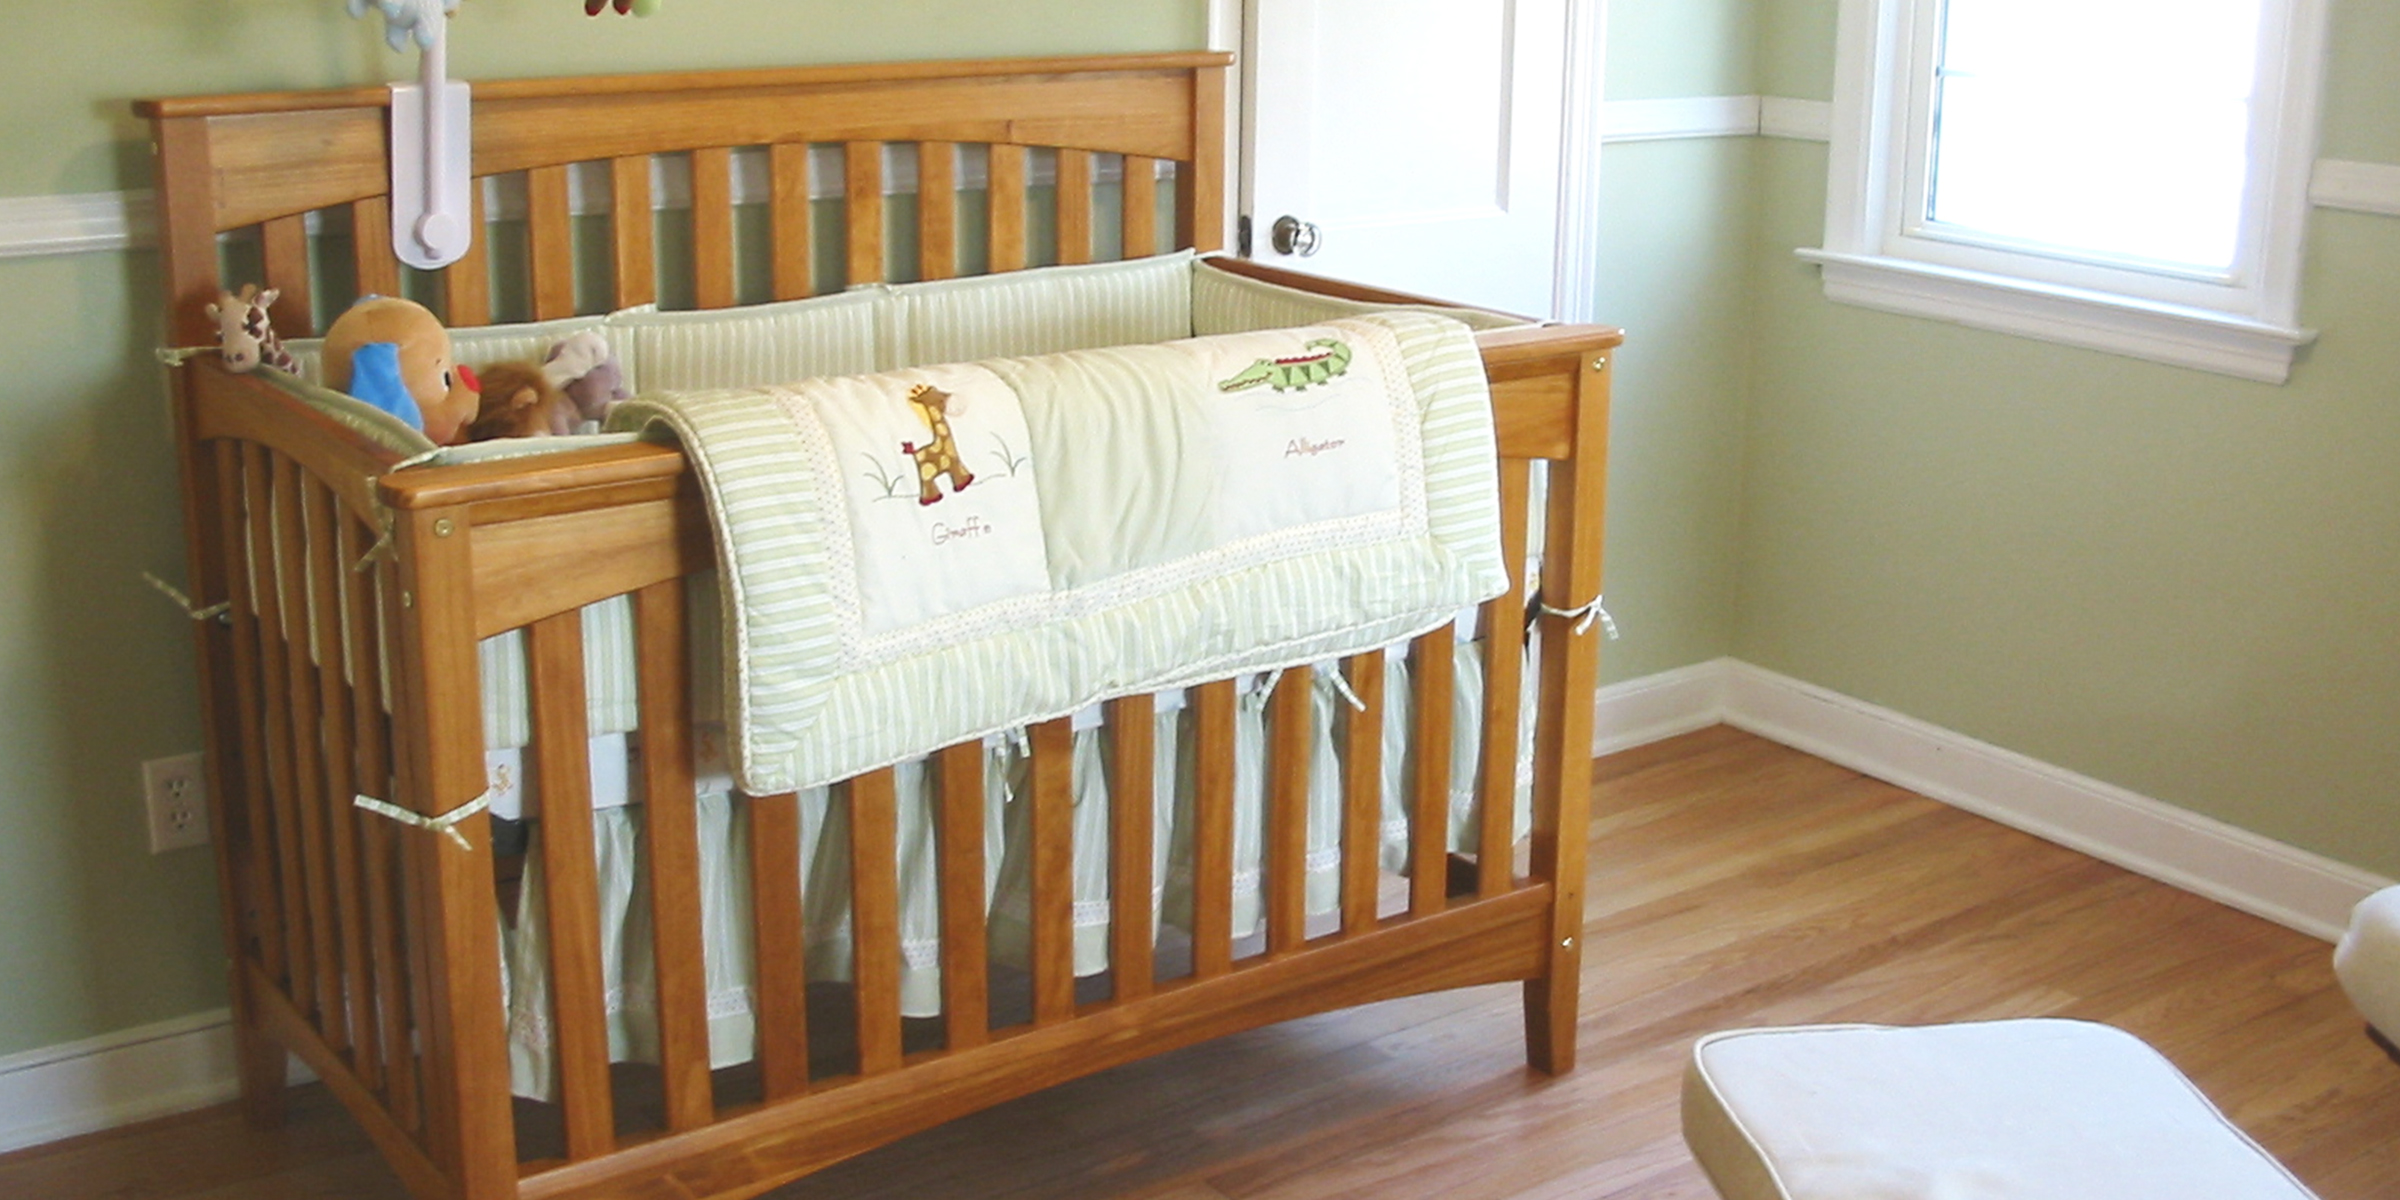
<point>790,221</point>
<point>1132,775</point>
<point>1288,715</point>
<point>550,242</point>
<point>283,244</point>
<point>1053,786</point>
<point>632,229</point>
<point>258,481</point>
<point>782,954</point>
<point>862,184</point>
<point>371,247</point>
<point>570,877</point>
<point>325,573</point>
<point>1074,206</point>
<point>370,743</point>
<point>1362,792</point>
<point>467,283</point>
<point>1141,206</point>
<point>308,794</point>
<point>712,227</point>
<point>420,1111</point>
<point>966,988</point>
<point>1006,197</point>
<point>1212,821</point>
<point>671,825</point>
<point>1503,680</point>
<point>234,466</point>
<point>1435,672</point>
<point>875,918</point>
<point>937,210</point>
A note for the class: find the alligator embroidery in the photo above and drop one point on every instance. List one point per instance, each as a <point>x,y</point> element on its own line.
<point>1328,362</point>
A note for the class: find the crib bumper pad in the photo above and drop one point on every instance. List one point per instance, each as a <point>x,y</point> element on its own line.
<point>917,557</point>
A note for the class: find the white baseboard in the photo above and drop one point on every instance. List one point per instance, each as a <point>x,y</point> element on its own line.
<point>187,1063</point>
<point>2233,866</point>
<point>118,1079</point>
<point>1654,708</point>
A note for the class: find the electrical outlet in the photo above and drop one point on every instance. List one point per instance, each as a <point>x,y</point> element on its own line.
<point>176,791</point>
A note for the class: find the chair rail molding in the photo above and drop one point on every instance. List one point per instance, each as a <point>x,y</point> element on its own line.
<point>86,222</point>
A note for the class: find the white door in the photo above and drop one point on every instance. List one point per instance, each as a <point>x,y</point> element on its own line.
<point>1410,144</point>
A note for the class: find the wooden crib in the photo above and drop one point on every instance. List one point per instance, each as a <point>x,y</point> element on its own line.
<point>369,949</point>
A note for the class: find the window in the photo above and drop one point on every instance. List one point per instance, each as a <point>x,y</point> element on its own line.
<point>2125,175</point>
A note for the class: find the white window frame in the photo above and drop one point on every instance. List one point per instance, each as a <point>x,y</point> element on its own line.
<point>2242,323</point>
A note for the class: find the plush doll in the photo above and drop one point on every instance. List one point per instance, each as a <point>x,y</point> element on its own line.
<point>519,400</point>
<point>246,333</point>
<point>413,376</point>
<point>588,372</point>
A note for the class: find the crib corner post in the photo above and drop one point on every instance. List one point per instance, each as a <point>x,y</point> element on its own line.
<point>1570,673</point>
<point>471,1131</point>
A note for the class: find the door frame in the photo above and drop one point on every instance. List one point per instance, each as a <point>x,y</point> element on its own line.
<point>1575,272</point>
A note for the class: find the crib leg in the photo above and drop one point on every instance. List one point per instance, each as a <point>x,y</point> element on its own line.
<point>1550,1008</point>
<point>259,1062</point>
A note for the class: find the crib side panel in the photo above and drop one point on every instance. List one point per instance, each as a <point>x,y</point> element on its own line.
<point>326,927</point>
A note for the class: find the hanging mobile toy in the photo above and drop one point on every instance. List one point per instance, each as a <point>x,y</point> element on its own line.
<point>431,189</point>
<point>638,8</point>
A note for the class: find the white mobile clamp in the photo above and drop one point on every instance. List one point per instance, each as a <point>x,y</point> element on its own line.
<point>432,163</point>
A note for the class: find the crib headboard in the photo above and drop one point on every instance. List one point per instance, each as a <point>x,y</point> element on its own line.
<point>704,158</point>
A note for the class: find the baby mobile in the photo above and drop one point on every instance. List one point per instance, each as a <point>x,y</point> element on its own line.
<point>431,154</point>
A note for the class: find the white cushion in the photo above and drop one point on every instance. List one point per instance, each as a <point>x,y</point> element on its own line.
<point>2368,960</point>
<point>2001,1110</point>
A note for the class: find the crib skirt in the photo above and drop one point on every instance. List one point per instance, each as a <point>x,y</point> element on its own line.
<point>726,913</point>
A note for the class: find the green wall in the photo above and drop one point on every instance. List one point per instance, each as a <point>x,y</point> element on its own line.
<point>95,670</point>
<point>2180,583</point>
<point>1675,268</point>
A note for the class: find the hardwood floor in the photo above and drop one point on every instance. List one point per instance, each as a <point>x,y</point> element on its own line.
<point>1734,882</point>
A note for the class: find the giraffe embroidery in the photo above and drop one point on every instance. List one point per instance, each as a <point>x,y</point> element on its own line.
<point>246,334</point>
<point>940,456</point>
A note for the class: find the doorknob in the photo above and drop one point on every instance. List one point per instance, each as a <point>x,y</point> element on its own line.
<point>1291,235</point>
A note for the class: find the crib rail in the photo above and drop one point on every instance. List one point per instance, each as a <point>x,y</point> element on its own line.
<point>326,917</point>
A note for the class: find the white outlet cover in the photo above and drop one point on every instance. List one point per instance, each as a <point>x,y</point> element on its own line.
<point>175,791</point>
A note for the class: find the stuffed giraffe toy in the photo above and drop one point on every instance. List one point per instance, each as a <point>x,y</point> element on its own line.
<point>940,456</point>
<point>246,333</point>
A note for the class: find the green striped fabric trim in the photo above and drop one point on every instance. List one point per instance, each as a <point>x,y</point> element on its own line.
<point>1044,311</point>
<point>1223,302</point>
<point>768,343</point>
<point>773,572</point>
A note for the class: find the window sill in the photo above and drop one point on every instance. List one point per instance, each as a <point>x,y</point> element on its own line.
<point>2166,333</point>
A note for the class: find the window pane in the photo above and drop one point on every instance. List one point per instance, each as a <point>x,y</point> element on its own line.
<point>2117,127</point>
